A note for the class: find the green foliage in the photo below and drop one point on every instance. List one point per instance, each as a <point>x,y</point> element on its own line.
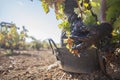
<point>113,16</point>
<point>89,19</point>
<point>116,32</point>
<point>45,6</point>
<point>113,11</point>
<point>10,38</point>
<point>38,45</point>
<point>35,44</point>
<point>84,11</point>
<point>65,25</point>
<point>58,6</point>
<point>95,7</point>
<point>45,44</point>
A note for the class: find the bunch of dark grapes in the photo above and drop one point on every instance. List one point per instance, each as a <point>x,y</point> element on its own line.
<point>78,32</point>
<point>84,36</point>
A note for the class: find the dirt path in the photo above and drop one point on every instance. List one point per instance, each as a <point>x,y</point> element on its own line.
<point>24,66</point>
<point>38,65</point>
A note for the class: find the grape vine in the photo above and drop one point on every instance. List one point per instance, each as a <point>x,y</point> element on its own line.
<point>10,38</point>
<point>82,18</point>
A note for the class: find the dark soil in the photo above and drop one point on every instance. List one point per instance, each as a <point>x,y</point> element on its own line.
<point>38,65</point>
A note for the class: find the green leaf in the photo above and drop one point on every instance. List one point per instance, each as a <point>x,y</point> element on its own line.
<point>64,25</point>
<point>94,4</point>
<point>45,6</point>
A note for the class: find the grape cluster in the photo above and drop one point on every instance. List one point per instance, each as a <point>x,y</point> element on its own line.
<point>78,32</point>
<point>84,36</point>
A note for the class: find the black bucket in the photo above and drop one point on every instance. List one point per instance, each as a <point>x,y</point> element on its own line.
<point>86,63</point>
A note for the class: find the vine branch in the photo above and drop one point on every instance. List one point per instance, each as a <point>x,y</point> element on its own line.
<point>102,11</point>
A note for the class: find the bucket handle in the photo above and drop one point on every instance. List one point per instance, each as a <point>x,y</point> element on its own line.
<point>53,45</point>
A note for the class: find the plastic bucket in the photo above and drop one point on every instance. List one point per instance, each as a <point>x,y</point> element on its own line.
<point>86,63</point>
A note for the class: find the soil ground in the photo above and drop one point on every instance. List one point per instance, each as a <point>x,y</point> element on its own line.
<point>38,65</point>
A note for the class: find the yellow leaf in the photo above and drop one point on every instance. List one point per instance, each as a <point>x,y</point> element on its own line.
<point>98,22</point>
<point>1,37</point>
<point>45,7</point>
<point>65,40</point>
<point>7,44</point>
<point>86,4</point>
<point>86,11</point>
<point>114,34</point>
<point>93,4</point>
<point>67,33</point>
